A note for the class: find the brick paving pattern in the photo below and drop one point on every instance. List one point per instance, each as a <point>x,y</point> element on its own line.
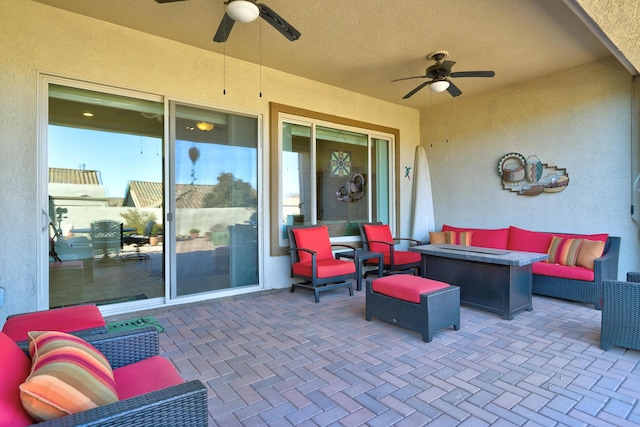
<point>279,359</point>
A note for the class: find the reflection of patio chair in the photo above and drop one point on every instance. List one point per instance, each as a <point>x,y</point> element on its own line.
<point>106,237</point>
<point>139,240</point>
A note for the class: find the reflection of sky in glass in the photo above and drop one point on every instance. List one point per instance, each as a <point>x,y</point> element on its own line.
<point>215,159</point>
<point>121,158</point>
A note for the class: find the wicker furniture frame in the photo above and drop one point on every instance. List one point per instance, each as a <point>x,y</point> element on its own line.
<point>605,268</point>
<point>313,282</point>
<point>437,310</point>
<point>621,313</point>
<point>181,405</point>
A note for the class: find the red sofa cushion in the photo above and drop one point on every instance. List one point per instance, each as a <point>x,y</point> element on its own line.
<point>556,270</point>
<point>154,373</point>
<point>14,369</point>
<point>315,239</point>
<point>325,268</point>
<point>67,319</point>
<point>487,238</point>
<point>528,241</point>
<point>405,287</point>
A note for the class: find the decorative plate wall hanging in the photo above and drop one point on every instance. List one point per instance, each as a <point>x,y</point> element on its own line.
<point>529,176</point>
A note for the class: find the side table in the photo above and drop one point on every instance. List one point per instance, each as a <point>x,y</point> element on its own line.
<point>359,258</point>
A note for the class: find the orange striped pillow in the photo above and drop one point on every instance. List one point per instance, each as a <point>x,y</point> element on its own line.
<point>564,251</point>
<point>68,375</point>
<point>451,237</point>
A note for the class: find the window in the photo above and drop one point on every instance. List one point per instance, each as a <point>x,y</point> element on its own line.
<point>330,171</point>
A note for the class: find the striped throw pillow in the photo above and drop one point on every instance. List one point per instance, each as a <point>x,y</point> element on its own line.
<point>451,237</point>
<point>68,375</point>
<point>564,251</point>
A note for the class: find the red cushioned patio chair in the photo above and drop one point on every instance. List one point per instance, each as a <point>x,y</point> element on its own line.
<point>377,237</point>
<point>81,320</point>
<point>313,261</point>
<point>151,391</point>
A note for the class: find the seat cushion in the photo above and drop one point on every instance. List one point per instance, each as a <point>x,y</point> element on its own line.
<point>14,369</point>
<point>325,268</point>
<point>381,233</point>
<point>67,319</point>
<point>68,375</point>
<point>154,373</point>
<point>556,270</point>
<point>405,287</point>
<point>315,239</point>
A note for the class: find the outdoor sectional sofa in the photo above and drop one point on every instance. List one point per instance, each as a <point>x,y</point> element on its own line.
<point>581,282</point>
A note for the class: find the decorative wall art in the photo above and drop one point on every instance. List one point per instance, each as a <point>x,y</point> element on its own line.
<point>340,163</point>
<point>529,176</point>
<point>352,190</point>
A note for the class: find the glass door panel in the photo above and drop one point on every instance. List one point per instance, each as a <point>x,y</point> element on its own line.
<point>105,161</point>
<point>342,172</point>
<point>216,200</point>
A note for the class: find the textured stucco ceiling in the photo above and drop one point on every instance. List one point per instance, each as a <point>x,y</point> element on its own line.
<point>361,45</point>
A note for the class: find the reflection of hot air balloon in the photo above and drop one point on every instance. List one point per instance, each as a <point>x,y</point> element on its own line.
<point>194,155</point>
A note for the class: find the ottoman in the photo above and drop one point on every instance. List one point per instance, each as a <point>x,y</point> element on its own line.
<point>415,303</point>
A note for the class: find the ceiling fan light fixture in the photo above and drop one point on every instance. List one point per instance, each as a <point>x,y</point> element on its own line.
<point>439,86</point>
<point>243,11</point>
<point>205,126</point>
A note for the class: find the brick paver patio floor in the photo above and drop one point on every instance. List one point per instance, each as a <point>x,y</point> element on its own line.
<point>279,359</point>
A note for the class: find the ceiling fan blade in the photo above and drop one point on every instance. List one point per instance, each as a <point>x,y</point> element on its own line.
<point>413,92</point>
<point>446,67</point>
<point>409,78</point>
<point>453,89</point>
<point>473,74</point>
<point>277,22</point>
<point>167,1</point>
<point>222,34</point>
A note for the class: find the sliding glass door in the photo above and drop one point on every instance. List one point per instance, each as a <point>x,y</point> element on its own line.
<point>133,217</point>
<point>216,200</point>
<point>105,188</point>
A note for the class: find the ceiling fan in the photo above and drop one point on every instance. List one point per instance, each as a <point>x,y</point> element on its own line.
<point>440,73</point>
<point>248,11</point>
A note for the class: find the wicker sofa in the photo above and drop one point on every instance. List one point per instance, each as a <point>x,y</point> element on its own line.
<point>574,283</point>
<point>183,404</point>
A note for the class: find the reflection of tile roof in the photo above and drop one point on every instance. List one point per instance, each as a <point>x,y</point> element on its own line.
<point>143,194</point>
<point>74,176</point>
<point>115,202</point>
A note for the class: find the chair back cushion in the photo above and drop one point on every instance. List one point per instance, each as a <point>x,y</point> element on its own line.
<point>315,239</point>
<point>67,319</point>
<point>68,375</point>
<point>14,369</point>
<point>145,376</point>
<point>380,233</point>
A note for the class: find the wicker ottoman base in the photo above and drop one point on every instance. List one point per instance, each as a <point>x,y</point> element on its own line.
<point>437,310</point>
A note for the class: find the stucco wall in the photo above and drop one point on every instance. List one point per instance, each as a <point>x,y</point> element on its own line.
<point>38,38</point>
<point>579,119</point>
